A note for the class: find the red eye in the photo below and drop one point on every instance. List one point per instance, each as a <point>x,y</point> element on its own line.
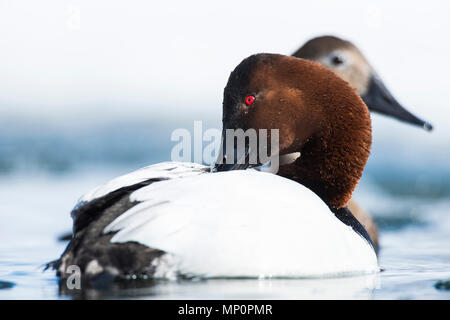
<point>249,100</point>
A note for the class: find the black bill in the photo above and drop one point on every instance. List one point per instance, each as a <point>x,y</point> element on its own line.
<point>379,99</point>
<point>236,159</point>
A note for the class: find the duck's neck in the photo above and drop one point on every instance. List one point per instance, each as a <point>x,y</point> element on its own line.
<point>332,163</point>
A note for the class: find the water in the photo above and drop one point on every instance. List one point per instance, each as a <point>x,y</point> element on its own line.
<point>44,172</point>
<point>415,243</point>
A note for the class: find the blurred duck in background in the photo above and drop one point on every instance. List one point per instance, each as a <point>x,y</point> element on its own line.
<point>346,60</point>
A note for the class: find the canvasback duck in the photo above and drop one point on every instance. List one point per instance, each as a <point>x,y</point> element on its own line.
<point>184,220</point>
<point>347,61</point>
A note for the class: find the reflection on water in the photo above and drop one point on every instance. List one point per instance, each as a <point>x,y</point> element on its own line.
<point>6,284</point>
<point>414,255</point>
<point>361,287</point>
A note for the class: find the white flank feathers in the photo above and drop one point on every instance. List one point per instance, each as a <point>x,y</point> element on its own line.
<point>164,170</point>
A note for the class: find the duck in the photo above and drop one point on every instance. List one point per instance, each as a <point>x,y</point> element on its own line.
<point>236,220</point>
<point>346,60</point>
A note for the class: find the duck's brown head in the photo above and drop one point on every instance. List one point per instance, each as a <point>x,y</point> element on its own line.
<point>318,115</point>
<point>347,61</point>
